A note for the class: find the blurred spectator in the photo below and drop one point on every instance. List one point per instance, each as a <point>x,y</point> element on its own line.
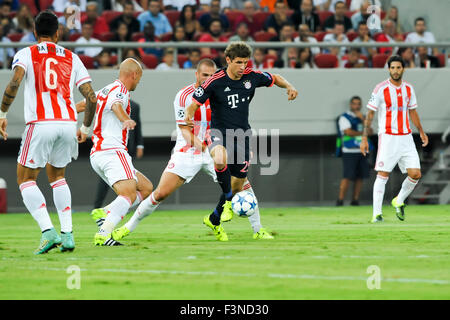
<point>75,27</point>
<point>119,5</point>
<point>5,20</point>
<point>178,4</point>
<point>128,18</point>
<point>294,4</point>
<point>392,14</point>
<point>14,4</point>
<point>337,36</point>
<point>28,37</point>
<point>425,60</point>
<point>305,15</point>
<point>188,22</point>
<point>103,60</point>
<point>389,35</point>
<point>9,51</point>
<point>421,35</point>
<point>149,36</point>
<point>99,23</point>
<point>361,15</point>
<point>205,5</point>
<point>305,35</point>
<point>24,20</point>
<point>178,36</point>
<point>355,165</point>
<point>268,5</point>
<point>278,18</point>
<point>60,5</point>
<point>305,58</point>
<point>356,4</point>
<point>240,4</point>
<point>63,33</point>
<point>286,35</point>
<point>339,15</point>
<point>292,59</point>
<point>121,34</point>
<point>168,61</point>
<point>87,30</point>
<point>248,11</point>
<point>214,13</point>
<point>132,53</point>
<point>158,19</point>
<point>214,35</point>
<point>354,59</point>
<point>258,59</point>
<point>325,5</point>
<point>408,56</point>
<point>242,33</point>
<point>363,37</point>
<point>194,58</point>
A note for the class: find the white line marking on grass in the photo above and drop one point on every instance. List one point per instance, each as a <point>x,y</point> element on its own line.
<point>268,275</point>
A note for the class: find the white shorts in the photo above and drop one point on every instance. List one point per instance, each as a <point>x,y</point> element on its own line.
<point>186,165</point>
<point>50,142</point>
<point>396,149</point>
<point>113,165</point>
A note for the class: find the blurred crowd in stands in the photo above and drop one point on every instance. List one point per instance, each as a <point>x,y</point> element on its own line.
<point>312,21</point>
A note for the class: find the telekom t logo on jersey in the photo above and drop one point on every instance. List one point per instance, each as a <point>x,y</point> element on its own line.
<point>233,99</point>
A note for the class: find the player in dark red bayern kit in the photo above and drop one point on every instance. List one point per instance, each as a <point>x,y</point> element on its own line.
<point>230,91</point>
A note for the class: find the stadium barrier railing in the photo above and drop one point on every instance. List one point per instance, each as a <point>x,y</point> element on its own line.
<point>443,46</point>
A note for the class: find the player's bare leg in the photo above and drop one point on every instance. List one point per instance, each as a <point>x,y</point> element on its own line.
<point>408,186</point>
<point>378,195</point>
<point>168,183</point>
<point>63,202</point>
<point>35,202</point>
<point>126,195</point>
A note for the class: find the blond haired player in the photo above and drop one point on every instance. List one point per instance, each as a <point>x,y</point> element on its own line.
<point>395,101</point>
<point>50,137</point>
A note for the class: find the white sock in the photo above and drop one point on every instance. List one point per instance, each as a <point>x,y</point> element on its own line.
<point>378,194</point>
<point>117,210</point>
<point>137,201</point>
<point>35,202</point>
<point>146,207</point>
<point>408,186</point>
<point>254,219</point>
<point>63,203</point>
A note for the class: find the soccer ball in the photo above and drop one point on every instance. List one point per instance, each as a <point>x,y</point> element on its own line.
<point>244,204</point>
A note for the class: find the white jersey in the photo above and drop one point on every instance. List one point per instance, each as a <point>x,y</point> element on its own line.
<point>108,133</point>
<point>202,119</point>
<point>393,104</point>
<point>50,75</point>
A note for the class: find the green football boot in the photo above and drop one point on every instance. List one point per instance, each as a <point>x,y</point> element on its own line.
<point>49,240</point>
<point>100,240</point>
<point>68,243</point>
<point>120,233</point>
<point>399,209</point>
<point>262,234</point>
<point>377,219</point>
<point>99,216</point>
<point>227,213</point>
<point>219,232</point>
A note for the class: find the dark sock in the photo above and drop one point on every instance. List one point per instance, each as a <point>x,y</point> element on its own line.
<point>215,216</point>
<point>224,179</point>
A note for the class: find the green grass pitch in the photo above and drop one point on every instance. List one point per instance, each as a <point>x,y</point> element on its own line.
<point>318,253</point>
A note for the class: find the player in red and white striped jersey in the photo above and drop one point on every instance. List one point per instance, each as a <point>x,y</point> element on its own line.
<point>395,101</point>
<point>50,138</point>
<point>190,155</point>
<point>109,156</point>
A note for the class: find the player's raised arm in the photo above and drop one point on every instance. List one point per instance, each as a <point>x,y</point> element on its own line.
<point>416,120</point>
<point>364,146</point>
<point>8,97</point>
<point>89,110</point>
<point>283,83</point>
<point>190,111</point>
<point>127,123</point>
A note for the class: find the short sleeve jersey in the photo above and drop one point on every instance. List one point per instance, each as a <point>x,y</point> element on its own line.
<point>229,99</point>
<point>393,104</point>
<point>51,72</point>
<point>108,133</point>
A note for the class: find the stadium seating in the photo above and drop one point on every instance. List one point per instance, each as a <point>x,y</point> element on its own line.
<point>181,58</point>
<point>323,15</point>
<point>319,35</point>
<point>379,60</point>
<point>136,36</point>
<point>107,36</point>
<point>259,18</point>
<point>87,61</point>
<point>262,36</point>
<point>232,16</point>
<point>441,58</point>
<point>44,4</point>
<point>326,60</point>
<point>150,61</point>
<point>172,16</point>
<point>113,60</point>
<point>74,37</point>
<point>269,60</point>
<point>351,35</point>
<point>166,36</point>
<point>110,15</point>
<point>15,37</point>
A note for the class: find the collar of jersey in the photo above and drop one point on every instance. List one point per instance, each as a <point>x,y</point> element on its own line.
<point>393,86</point>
